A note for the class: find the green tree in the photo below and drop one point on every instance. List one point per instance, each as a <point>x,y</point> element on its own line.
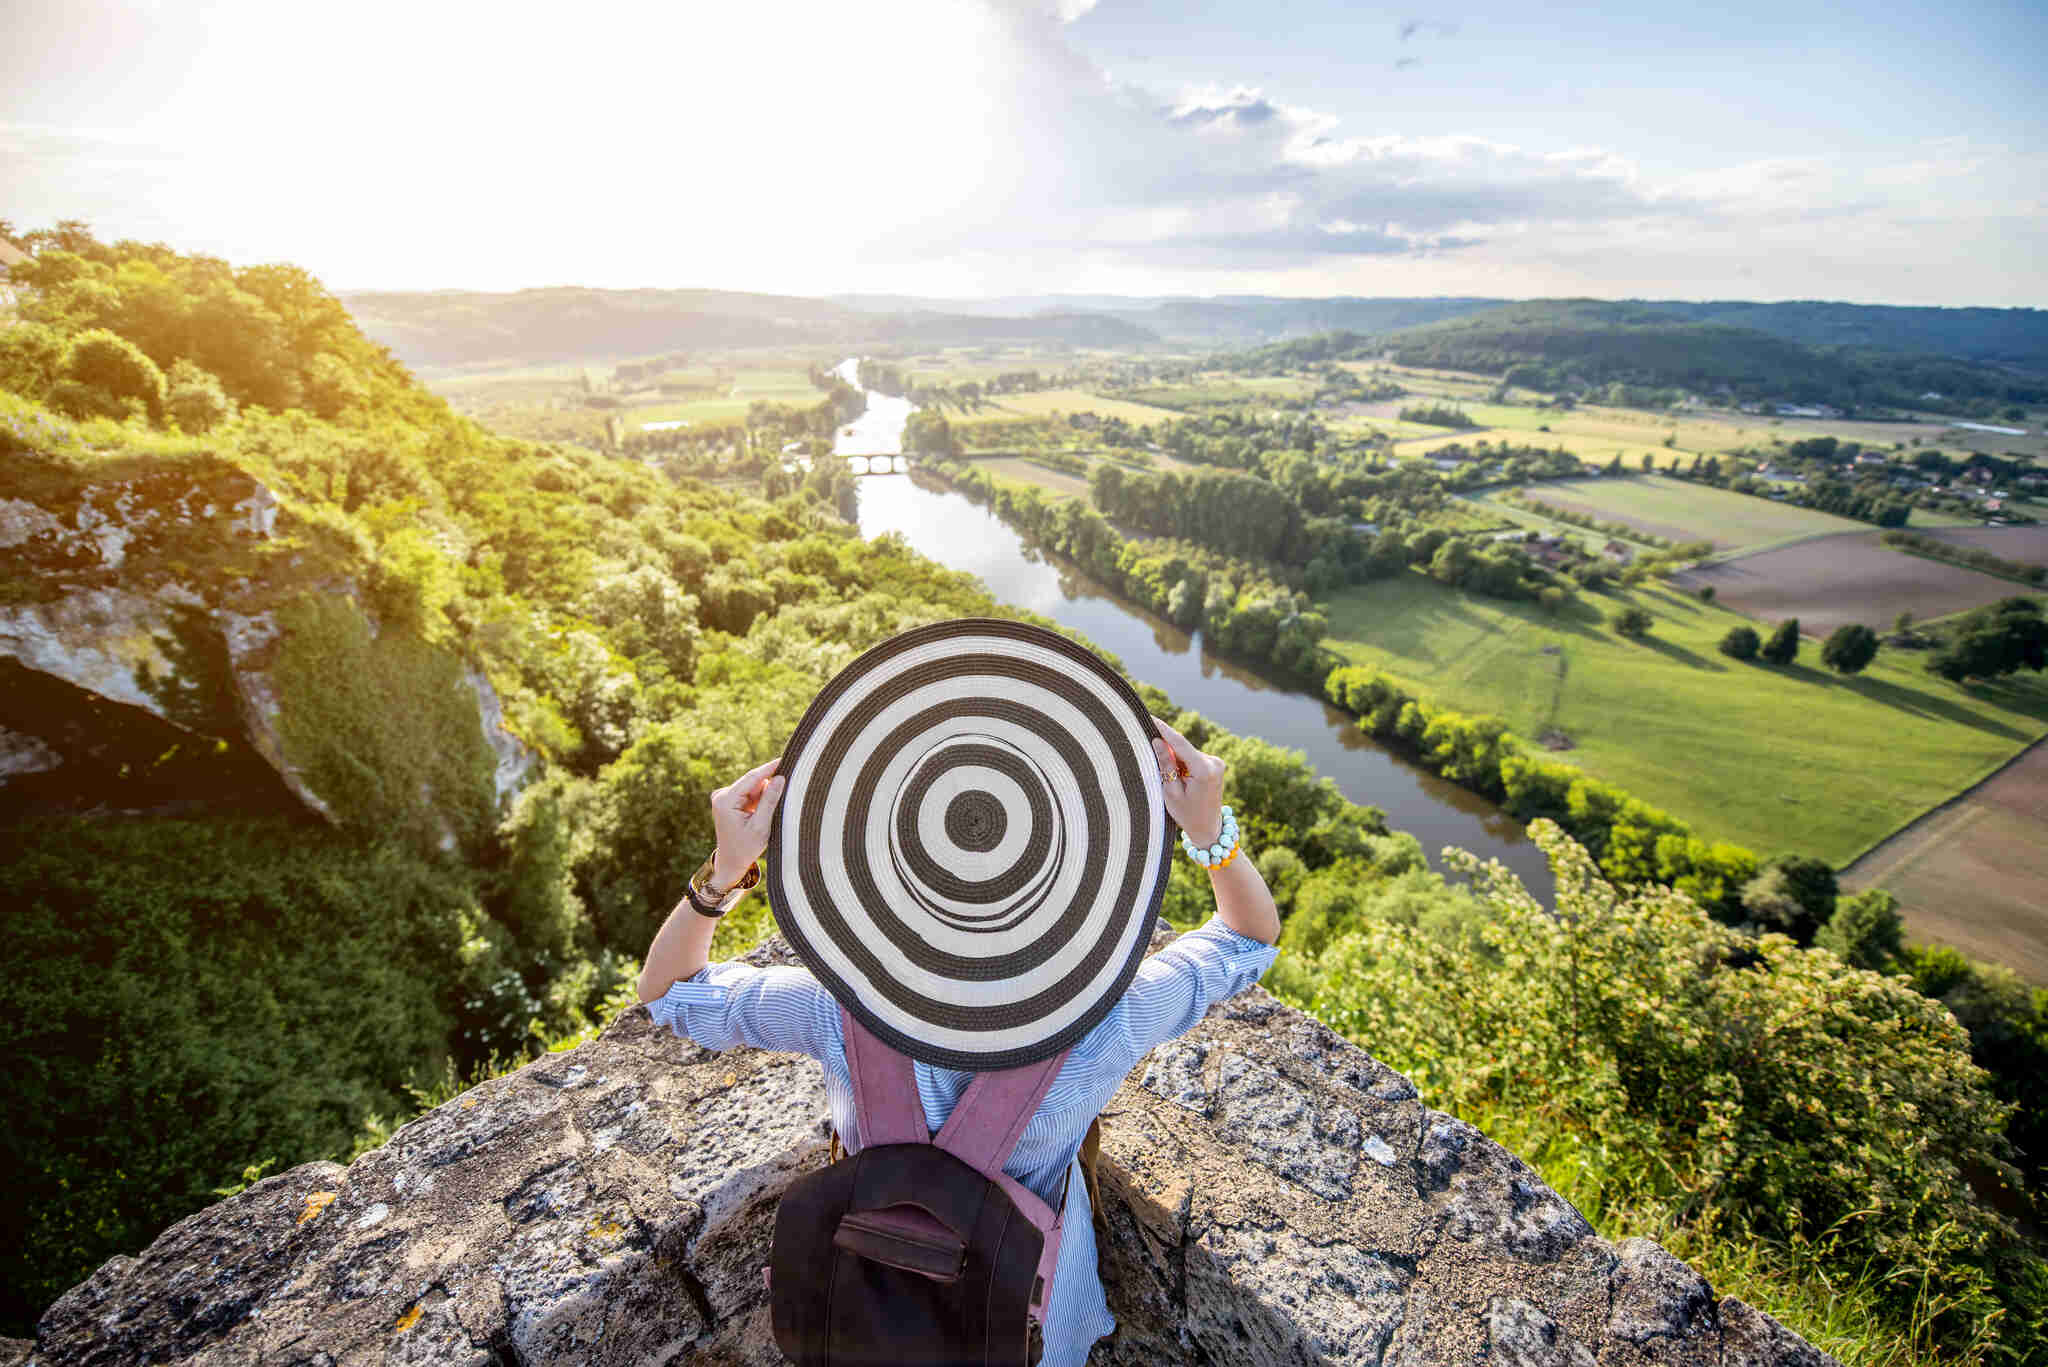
<point>1740,643</point>
<point>196,401</point>
<point>191,995</point>
<point>1634,622</point>
<point>1866,930</point>
<point>31,359</point>
<point>2007,636</point>
<point>1794,895</point>
<point>1783,647</point>
<point>1849,648</point>
<point>112,364</point>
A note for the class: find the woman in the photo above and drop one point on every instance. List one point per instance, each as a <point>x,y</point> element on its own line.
<point>790,1009</point>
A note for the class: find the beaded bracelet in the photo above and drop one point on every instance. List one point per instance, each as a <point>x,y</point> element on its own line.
<point>1226,848</point>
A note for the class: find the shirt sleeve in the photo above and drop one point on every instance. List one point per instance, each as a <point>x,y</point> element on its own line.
<point>1176,987</point>
<point>783,1009</point>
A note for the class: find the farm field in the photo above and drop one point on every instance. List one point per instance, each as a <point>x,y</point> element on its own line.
<point>1047,402</point>
<point>722,409</point>
<point>1592,429</point>
<point>1774,759</point>
<point>1992,840</point>
<point>1678,511</point>
<point>1488,507</point>
<point>1023,470</point>
<point>1829,581</point>
<point>2028,545</point>
<point>956,365</point>
<point>1358,419</point>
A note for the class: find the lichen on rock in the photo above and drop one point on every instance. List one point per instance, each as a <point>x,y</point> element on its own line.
<point>1271,1194</point>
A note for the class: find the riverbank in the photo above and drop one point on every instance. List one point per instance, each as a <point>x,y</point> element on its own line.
<point>947,527</point>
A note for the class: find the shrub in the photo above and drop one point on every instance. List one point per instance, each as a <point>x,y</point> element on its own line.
<point>197,403</point>
<point>187,997</point>
<point>1849,648</point>
<point>1783,647</point>
<point>1741,643</point>
<point>31,359</point>
<point>114,365</point>
<point>84,402</point>
<point>1634,622</point>
<point>1760,1091</point>
<point>1866,931</point>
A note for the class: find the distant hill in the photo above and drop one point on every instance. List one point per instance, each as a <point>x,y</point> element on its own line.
<point>458,327</point>
<point>1222,321</point>
<point>2012,337</point>
<point>1570,343</point>
<point>454,327</point>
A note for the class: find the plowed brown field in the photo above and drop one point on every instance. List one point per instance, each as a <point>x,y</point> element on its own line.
<point>1832,580</point>
<point>1973,873</point>
<point>2028,545</point>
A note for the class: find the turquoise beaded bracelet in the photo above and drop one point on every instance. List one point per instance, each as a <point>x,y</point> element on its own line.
<point>1222,852</point>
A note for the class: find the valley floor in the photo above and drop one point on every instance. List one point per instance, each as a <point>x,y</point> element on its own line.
<point>1794,758</point>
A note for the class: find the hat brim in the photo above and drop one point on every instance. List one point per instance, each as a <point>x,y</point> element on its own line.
<point>972,846</point>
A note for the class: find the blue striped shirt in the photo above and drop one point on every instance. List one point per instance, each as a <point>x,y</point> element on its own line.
<point>787,1009</point>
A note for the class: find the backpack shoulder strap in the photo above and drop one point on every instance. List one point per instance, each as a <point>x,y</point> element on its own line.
<point>991,1114</point>
<point>886,1108</point>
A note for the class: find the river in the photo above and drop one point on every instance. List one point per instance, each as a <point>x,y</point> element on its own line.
<point>963,535</point>
<point>878,431</point>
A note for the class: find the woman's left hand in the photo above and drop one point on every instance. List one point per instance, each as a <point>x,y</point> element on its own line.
<point>741,813</point>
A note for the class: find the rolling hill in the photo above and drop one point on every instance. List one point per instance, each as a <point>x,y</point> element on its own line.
<point>459,327</point>
<point>2007,337</point>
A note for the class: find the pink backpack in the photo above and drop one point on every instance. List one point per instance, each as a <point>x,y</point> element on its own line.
<point>917,1249</point>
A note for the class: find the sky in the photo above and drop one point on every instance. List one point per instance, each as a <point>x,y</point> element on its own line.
<point>1876,153</point>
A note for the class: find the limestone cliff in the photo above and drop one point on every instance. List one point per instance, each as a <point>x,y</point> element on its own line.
<point>138,634</point>
<point>1272,1194</point>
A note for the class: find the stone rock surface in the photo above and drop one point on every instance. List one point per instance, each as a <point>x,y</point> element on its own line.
<point>1271,1194</point>
<point>121,620</point>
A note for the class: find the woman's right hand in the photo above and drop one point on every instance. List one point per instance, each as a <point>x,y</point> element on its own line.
<point>1192,783</point>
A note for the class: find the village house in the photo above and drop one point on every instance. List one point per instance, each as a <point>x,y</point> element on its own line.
<point>1617,552</point>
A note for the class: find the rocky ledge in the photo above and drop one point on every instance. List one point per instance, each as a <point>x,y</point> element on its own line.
<point>1271,1194</point>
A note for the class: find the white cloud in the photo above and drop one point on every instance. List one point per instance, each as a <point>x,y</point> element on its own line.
<point>923,145</point>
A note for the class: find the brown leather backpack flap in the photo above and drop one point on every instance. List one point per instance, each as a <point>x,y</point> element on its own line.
<point>904,1236</point>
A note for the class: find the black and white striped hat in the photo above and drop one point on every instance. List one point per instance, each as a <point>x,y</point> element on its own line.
<point>971,846</point>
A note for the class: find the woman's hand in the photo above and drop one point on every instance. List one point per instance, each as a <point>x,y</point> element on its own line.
<point>741,814</point>
<point>1193,784</point>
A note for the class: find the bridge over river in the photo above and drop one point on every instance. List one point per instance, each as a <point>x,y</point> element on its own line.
<point>961,535</point>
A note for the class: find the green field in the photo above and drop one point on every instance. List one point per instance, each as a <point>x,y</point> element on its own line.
<point>740,389</point>
<point>1045,403</point>
<point>1678,511</point>
<point>1770,758</point>
<point>1488,509</point>
<point>686,410</point>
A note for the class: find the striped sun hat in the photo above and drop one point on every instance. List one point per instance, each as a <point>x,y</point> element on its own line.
<point>972,847</point>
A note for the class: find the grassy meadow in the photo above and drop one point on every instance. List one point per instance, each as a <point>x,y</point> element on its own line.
<point>1792,758</point>
<point>1680,511</point>
<point>1048,403</point>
